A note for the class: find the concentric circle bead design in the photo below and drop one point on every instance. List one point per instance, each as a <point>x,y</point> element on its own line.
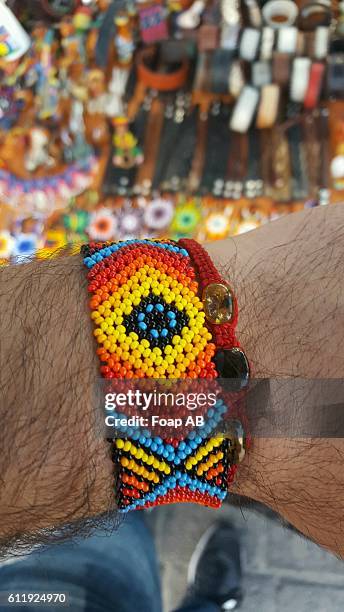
<point>149,320</point>
<point>150,323</point>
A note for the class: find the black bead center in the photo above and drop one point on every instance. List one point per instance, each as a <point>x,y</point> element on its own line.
<point>156,321</point>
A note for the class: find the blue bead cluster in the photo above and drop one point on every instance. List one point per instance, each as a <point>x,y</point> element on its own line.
<point>156,321</point>
<point>172,322</point>
<point>91,260</point>
<point>178,479</point>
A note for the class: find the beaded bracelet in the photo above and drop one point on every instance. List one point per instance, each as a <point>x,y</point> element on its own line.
<point>161,310</point>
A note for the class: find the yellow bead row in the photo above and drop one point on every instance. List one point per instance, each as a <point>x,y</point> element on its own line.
<point>213,459</point>
<point>139,453</point>
<point>124,298</point>
<point>130,464</point>
<point>203,451</point>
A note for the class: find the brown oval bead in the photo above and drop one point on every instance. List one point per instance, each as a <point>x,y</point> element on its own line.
<point>218,303</point>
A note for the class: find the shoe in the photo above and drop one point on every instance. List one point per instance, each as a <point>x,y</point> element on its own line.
<point>214,570</point>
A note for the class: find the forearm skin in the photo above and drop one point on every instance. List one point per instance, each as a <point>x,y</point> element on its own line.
<point>55,469</point>
<point>288,277</point>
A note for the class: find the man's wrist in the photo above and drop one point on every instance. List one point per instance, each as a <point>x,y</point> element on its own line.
<point>60,463</point>
<point>286,276</point>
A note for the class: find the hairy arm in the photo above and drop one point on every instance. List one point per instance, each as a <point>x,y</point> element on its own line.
<point>288,276</point>
<point>55,468</point>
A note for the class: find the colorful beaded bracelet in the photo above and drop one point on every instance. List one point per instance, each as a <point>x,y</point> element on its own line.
<point>161,310</point>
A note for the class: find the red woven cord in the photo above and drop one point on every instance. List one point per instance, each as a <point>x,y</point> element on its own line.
<point>223,334</point>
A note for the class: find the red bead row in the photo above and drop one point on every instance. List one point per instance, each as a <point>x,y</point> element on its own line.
<point>224,334</point>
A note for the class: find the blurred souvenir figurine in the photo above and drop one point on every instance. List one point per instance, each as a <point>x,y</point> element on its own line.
<point>82,19</point>
<point>124,40</point>
<point>71,43</point>
<point>38,151</point>
<point>73,135</point>
<point>127,152</point>
<point>100,99</point>
<point>47,84</point>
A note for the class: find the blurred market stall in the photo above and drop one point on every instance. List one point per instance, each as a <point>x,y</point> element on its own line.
<point>165,119</point>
